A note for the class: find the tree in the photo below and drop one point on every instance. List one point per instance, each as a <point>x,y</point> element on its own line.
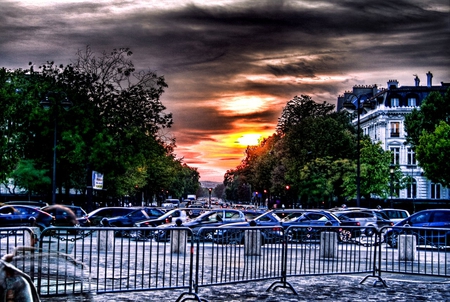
<point>374,176</point>
<point>115,126</point>
<point>427,134</point>
<point>21,129</point>
<point>27,177</point>
<point>298,109</point>
<point>433,152</point>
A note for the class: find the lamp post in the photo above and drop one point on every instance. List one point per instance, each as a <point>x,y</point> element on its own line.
<point>352,107</point>
<point>391,172</point>
<point>52,101</point>
<point>210,191</point>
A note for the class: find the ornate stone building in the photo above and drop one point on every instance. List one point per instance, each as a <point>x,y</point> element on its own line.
<point>382,113</point>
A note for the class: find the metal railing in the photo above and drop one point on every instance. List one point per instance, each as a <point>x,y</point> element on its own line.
<point>110,259</point>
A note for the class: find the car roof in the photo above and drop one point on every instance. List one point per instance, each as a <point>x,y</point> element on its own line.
<point>113,208</point>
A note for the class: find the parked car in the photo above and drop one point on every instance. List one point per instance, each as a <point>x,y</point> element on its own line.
<point>302,227</point>
<point>395,215</point>
<point>95,217</point>
<point>168,217</point>
<point>383,220</point>
<point>213,218</point>
<point>367,219</point>
<point>288,214</point>
<point>130,219</point>
<point>234,233</point>
<point>64,216</point>
<point>20,215</point>
<point>418,225</point>
<point>32,203</point>
<point>252,214</point>
<point>308,221</point>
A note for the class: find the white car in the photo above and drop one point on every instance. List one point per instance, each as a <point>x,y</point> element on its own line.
<point>395,215</point>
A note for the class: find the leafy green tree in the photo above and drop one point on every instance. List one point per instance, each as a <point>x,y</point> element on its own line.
<point>433,152</point>
<point>27,177</point>
<point>374,176</point>
<point>426,133</point>
<point>21,129</point>
<point>114,126</point>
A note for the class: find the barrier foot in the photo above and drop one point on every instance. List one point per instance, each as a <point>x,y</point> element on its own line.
<point>380,280</point>
<point>194,297</point>
<point>282,284</point>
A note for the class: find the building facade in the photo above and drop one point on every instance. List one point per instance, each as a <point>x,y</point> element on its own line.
<point>382,115</point>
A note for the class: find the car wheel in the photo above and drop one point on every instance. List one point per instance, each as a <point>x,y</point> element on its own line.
<point>369,231</point>
<point>208,236</point>
<point>141,235</point>
<point>345,236</point>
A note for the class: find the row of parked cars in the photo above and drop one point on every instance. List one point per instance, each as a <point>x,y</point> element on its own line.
<point>350,223</point>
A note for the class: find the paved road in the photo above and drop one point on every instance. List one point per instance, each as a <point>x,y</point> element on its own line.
<point>320,288</point>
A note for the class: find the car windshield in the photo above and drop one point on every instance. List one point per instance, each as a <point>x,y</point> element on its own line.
<point>168,214</point>
<point>264,216</point>
<point>135,213</point>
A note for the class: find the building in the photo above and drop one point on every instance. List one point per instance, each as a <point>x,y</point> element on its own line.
<point>382,113</point>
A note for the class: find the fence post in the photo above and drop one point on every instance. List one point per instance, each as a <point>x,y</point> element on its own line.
<point>328,244</point>
<point>31,238</point>
<point>407,247</point>
<point>105,240</point>
<point>178,239</point>
<point>252,241</point>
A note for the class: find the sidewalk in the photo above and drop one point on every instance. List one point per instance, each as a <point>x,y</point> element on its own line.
<point>315,288</point>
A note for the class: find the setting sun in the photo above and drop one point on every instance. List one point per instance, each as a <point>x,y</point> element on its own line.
<point>249,139</point>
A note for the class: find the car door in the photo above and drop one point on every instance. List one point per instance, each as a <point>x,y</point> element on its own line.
<point>421,219</point>
<point>440,219</point>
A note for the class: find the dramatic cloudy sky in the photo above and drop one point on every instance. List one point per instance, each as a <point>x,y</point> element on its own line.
<point>232,65</point>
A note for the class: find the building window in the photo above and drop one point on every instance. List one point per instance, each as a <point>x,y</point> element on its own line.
<point>395,129</point>
<point>411,189</point>
<point>395,159</point>
<point>412,102</point>
<point>435,191</point>
<point>395,102</point>
<point>411,157</point>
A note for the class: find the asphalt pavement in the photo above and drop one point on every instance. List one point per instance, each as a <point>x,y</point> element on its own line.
<point>308,288</point>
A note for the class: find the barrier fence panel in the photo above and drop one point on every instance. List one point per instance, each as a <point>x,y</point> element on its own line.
<point>70,261</point>
<point>110,259</point>
<point>238,254</point>
<point>12,239</point>
<point>321,250</point>
<point>416,251</point>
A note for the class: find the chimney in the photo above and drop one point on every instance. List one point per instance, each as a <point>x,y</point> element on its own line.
<point>417,80</point>
<point>392,84</point>
<point>429,78</point>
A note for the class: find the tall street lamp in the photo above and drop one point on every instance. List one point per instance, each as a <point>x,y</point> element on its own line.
<point>54,100</point>
<point>391,172</point>
<point>210,191</point>
<point>352,107</point>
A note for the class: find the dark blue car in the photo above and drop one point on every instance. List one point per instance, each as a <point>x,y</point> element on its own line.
<point>423,225</point>
<point>20,215</point>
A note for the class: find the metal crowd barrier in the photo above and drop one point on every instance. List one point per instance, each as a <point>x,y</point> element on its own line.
<point>69,261</point>
<point>416,251</point>
<point>13,237</point>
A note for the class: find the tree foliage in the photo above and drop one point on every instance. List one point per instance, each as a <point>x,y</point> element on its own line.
<point>314,154</point>
<point>114,126</point>
<point>427,132</point>
<point>433,152</point>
